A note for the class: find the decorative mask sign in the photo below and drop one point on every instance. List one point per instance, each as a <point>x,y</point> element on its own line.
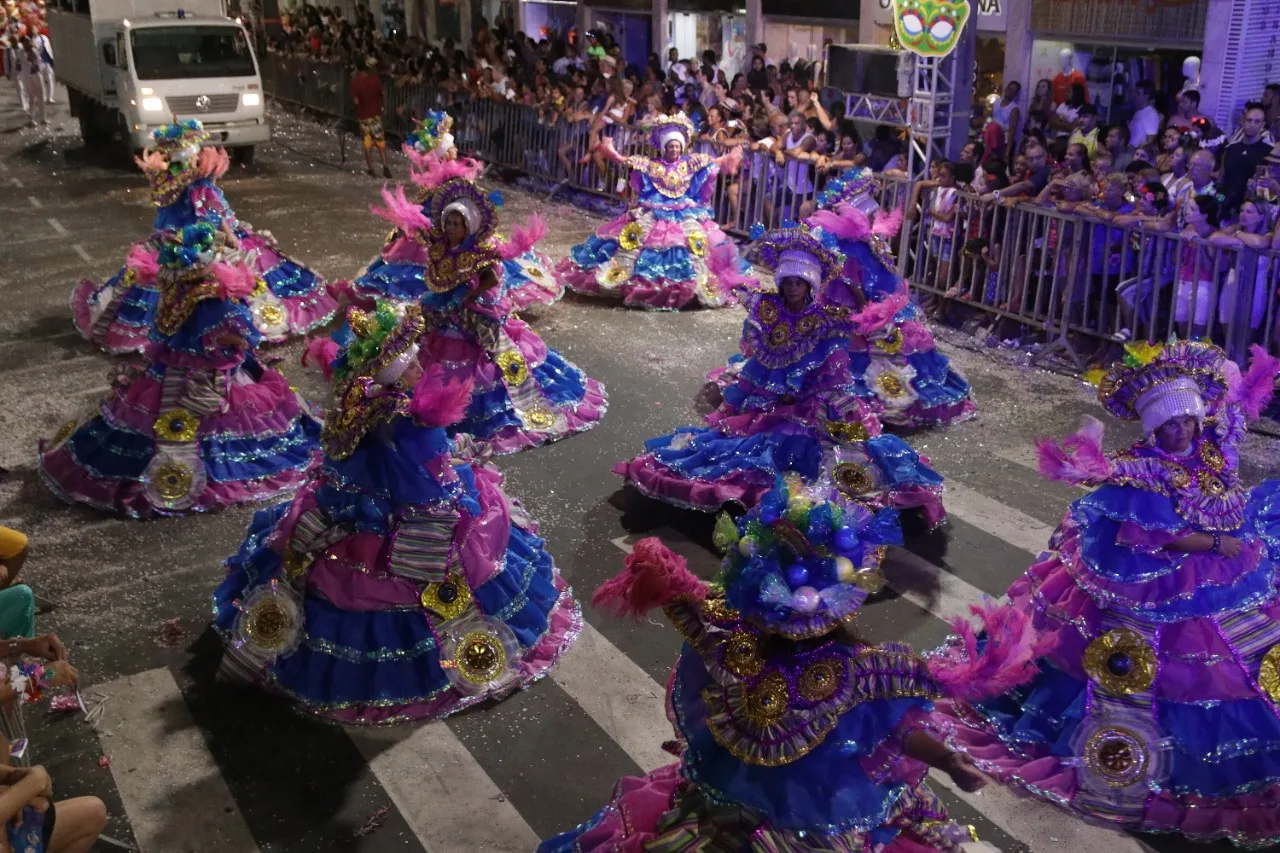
<point>930,28</point>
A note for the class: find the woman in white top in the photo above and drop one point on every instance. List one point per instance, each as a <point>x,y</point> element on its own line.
<point>616,113</point>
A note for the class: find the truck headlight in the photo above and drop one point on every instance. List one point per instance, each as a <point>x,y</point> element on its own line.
<point>251,99</point>
<point>152,105</point>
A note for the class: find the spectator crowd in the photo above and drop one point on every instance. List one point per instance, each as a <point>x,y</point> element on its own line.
<point>1157,223</point>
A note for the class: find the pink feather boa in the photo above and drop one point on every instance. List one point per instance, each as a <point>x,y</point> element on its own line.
<point>888,225</point>
<point>213,163</point>
<point>876,315</point>
<point>652,575</point>
<point>524,239</point>
<point>320,352</point>
<point>1254,389</point>
<point>1007,661</point>
<point>234,281</point>
<point>400,212</point>
<point>437,403</point>
<point>723,262</point>
<point>143,261</point>
<point>1078,459</point>
<point>845,222</point>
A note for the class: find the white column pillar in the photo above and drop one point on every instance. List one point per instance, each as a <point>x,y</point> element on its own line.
<point>413,17</point>
<point>583,24</point>
<point>755,29</point>
<point>658,13</point>
<point>431,28</point>
<point>1213,70</point>
<point>464,24</point>
<point>872,15</point>
<point>1017,49</point>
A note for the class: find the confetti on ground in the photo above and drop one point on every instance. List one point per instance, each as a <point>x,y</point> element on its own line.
<point>104,761</point>
<point>374,823</point>
<point>170,633</point>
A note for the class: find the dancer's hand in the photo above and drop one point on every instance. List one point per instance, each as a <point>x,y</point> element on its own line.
<point>1229,547</point>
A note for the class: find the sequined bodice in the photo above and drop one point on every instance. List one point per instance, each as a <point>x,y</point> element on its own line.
<point>1203,485</point>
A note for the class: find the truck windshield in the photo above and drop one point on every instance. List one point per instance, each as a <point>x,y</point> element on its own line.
<point>168,53</point>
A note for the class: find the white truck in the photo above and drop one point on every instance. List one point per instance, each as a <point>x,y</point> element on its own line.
<point>132,65</point>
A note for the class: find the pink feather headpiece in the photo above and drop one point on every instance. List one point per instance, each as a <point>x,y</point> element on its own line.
<point>428,171</point>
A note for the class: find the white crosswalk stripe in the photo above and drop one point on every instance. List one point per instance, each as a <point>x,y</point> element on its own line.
<point>164,775</point>
<point>170,784</point>
<point>437,785</point>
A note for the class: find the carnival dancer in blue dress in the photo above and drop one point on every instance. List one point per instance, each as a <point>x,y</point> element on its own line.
<point>1157,703</point>
<point>789,408</point>
<point>896,367</point>
<point>118,314</point>
<point>661,254</point>
<point>204,424</point>
<point>792,733</point>
<point>524,393</point>
<point>528,276</point>
<point>399,583</point>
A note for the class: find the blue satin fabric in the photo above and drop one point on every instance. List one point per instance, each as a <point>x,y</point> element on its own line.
<point>208,316</point>
<point>287,279</point>
<point>899,463</point>
<point>1219,748</point>
<point>1100,514</point>
<point>398,281</point>
<point>936,383</point>
<point>826,790</point>
<point>137,307</point>
<point>389,656</point>
<point>182,212</point>
<point>392,473</point>
<point>673,264</point>
<point>594,251</point>
<point>404,282</point>
<point>713,455</point>
<point>562,384</point>
<point>111,451</point>
<point>790,379</point>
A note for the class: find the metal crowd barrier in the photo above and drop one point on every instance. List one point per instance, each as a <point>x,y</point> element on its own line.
<point>1080,281</point>
<point>1072,281</point>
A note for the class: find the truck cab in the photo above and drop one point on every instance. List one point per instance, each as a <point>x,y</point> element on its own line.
<point>130,67</point>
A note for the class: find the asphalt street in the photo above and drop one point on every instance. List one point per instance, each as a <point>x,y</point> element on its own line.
<point>186,763</point>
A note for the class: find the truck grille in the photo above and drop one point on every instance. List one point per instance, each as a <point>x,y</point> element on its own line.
<point>186,105</point>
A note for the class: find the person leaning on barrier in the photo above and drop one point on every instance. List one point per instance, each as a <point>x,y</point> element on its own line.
<point>1028,187</point>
